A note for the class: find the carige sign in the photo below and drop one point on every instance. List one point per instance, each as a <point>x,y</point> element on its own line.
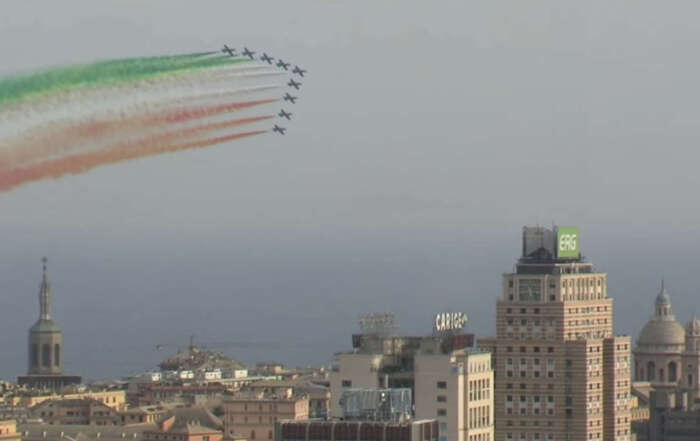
<point>450,321</point>
<point>567,242</point>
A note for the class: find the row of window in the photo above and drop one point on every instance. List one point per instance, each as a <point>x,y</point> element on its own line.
<point>535,349</point>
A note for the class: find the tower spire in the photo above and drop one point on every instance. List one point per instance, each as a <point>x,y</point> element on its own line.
<point>44,294</point>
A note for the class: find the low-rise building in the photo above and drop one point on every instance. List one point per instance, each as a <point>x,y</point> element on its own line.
<point>82,411</point>
<point>253,416</point>
<point>115,399</point>
<point>187,424</point>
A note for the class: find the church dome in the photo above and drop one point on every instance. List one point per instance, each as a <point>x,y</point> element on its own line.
<point>662,332</point>
<point>663,328</point>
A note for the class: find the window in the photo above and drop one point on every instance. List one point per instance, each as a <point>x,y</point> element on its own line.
<point>46,355</point>
<point>442,385</point>
<point>347,383</point>
<point>522,349</point>
<point>550,349</point>
<point>252,434</point>
<point>441,399</point>
<point>34,354</point>
<point>442,412</point>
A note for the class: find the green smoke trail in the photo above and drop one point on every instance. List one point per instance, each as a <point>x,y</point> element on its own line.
<point>18,88</point>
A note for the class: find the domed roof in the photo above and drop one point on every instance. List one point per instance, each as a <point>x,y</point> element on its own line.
<point>662,332</point>
<point>662,328</point>
<point>45,326</point>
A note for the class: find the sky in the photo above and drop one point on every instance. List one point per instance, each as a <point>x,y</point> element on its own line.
<point>427,135</point>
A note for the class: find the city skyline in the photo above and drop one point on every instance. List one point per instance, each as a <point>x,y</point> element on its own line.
<point>425,141</point>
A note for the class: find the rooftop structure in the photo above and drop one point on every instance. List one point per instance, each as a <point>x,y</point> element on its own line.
<point>376,404</point>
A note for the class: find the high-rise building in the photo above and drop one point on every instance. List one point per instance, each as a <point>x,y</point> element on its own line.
<point>45,360</point>
<point>560,373</point>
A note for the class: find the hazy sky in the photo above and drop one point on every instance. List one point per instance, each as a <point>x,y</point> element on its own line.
<point>427,135</point>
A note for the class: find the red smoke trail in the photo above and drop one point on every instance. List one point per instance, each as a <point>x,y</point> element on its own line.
<point>182,115</point>
<point>60,140</point>
<point>164,143</point>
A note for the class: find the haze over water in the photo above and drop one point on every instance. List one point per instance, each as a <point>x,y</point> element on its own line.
<point>427,136</point>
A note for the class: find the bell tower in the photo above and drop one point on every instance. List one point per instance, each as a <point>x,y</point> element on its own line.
<point>45,337</point>
<point>45,345</point>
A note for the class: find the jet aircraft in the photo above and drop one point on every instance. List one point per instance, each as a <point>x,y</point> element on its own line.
<point>292,99</point>
<point>284,114</point>
<point>279,129</point>
<point>283,65</point>
<point>298,70</point>
<point>293,84</point>
<point>267,58</point>
<point>228,50</point>
<point>248,53</point>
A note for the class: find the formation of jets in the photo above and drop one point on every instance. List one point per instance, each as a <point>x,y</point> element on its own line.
<point>282,65</point>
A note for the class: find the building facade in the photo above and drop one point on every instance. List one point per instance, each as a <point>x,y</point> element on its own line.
<point>560,373</point>
<point>456,390</point>
<point>253,417</point>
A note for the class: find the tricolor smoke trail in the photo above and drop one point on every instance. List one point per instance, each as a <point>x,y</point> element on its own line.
<point>72,119</point>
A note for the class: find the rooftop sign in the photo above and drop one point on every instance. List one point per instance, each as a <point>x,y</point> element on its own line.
<point>379,323</point>
<point>450,321</point>
<point>568,243</point>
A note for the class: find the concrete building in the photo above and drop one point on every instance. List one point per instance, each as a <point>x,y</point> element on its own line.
<point>8,431</point>
<point>560,373</point>
<point>457,390</point>
<point>386,361</point>
<point>45,349</point>
<point>336,430</point>
<point>437,370</point>
<point>253,416</point>
<point>667,355</point>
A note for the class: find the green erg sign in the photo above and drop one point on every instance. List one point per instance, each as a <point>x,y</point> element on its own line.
<point>567,242</point>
